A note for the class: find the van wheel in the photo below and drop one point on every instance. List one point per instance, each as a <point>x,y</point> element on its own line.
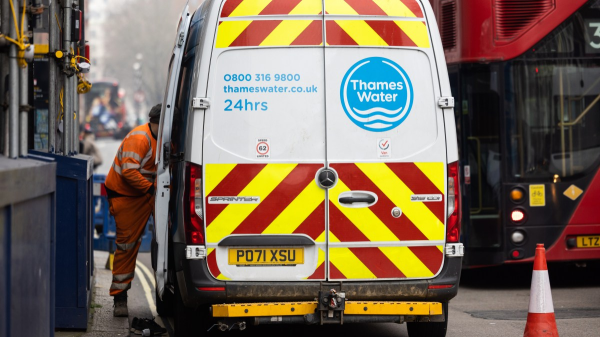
<point>188,321</point>
<point>165,306</point>
<point>429,329</point>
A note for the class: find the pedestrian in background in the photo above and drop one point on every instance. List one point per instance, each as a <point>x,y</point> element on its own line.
<point>87,146</point>
<point>130,189</point>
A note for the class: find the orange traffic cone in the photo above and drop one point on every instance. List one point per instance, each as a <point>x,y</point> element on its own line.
<point>540,319</point>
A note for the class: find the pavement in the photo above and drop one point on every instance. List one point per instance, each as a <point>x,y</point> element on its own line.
<point>101,322</point>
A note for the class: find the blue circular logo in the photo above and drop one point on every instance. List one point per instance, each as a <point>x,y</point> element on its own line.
<point>377,94</point>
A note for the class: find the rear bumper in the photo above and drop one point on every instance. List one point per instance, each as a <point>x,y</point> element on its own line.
<point>194,275</point>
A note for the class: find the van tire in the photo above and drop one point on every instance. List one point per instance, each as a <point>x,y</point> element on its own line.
<point>165,307</point>
<point>188,321</point>
<point>429,329</point>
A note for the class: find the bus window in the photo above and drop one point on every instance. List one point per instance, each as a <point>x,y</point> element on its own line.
<point>556,117</point>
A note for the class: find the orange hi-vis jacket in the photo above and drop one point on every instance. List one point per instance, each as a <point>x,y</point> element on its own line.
<point>133,170</point>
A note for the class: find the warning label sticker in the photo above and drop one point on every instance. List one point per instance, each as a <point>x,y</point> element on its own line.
<point>263,148</point>
<point>537,195</point>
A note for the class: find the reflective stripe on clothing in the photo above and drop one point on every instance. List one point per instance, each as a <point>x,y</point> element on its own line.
<point>126,246</point>
<point>119,287</point>
<point>131,216</point>
<point>128,166</point>
<point>134,160</point>
<point>129,154</point>
<point>122,277</point>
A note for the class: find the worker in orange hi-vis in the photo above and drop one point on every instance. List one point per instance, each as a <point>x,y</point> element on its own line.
<point>130,189</point>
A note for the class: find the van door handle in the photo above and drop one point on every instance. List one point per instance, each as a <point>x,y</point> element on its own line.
<point>357,199</point>
<point>350,200</point>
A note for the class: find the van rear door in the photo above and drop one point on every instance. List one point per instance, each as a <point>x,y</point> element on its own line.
<point>385,141</point>
<point>264,143</point>
<point>163,157</point>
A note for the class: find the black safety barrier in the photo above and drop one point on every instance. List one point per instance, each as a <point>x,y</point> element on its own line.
<point>27,227</point>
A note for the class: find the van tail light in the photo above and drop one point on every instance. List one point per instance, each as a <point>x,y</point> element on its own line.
<point>193,207</point>
<point>454,216</point>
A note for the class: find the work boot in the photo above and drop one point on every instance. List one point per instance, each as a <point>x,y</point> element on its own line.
<point>120,306</point>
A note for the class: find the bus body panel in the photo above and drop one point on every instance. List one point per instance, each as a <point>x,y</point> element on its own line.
<point>479,27</point>
<point>516,137</point>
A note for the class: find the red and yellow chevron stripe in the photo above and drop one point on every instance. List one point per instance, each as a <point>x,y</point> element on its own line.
<point>309,32</point>
<point>236,8</point>
<point>377,33</point>
<point>290,202</point>
<point>364,243</point>
<point>422,223</point>
<point>399,8</point>
<point>269,33</point>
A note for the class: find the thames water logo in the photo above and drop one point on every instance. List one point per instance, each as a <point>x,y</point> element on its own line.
<point>377,94</point>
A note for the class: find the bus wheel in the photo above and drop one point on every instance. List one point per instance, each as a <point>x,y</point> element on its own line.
<point>429,329</point>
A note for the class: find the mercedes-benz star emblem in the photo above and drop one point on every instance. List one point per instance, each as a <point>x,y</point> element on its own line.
<point>327,178</point>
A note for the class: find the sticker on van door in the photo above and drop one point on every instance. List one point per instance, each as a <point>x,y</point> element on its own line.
<point>377,94</point>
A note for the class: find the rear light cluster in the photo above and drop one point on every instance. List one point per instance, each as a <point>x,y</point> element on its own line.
<point>517,215</point>
<point>193,209</point>
<point>454,216</point>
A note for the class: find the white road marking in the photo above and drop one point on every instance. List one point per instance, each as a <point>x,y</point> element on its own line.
<point>147,291</point>
<point>147,272</point>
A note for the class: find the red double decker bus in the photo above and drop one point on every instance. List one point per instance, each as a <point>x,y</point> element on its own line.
<point>526,79</point>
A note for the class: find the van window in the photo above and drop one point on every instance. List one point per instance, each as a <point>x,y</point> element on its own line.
<point>184,88</point>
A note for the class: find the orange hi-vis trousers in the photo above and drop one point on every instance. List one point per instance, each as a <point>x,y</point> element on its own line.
<point>131,215</point>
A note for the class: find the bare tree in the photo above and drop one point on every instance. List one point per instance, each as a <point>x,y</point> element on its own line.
<point>142,31</point>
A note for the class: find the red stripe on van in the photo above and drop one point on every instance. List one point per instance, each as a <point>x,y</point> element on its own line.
<point>211,260</point>
<point>336,36</point>
<point>431,257</point>
<point>379,264</point>
<point>280,198</point>
<point>419,183</point>
<point>232,185</point>
<point>319,273</point>
<point>335,273</point>
<point>391,33</point>
<point>255,33</point>
<point>414,7</point>
<point>342,227</point>
<point>314,224</point>
<point>229,7</point>
<point>280,7</point>
<point>365,7</point>
<point>311,36</point>
<point>370,7</point>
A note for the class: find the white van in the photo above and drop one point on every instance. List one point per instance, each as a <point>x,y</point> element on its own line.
<point>307,167</point>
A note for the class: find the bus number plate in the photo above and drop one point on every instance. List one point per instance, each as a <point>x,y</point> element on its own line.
<point>266,256</point>
<point>592,241</point>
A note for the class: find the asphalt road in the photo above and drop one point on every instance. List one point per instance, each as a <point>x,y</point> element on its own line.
<point>490,301</point>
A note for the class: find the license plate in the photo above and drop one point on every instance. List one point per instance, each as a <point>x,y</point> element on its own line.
<point>266,256</point>
<point>589,241</point>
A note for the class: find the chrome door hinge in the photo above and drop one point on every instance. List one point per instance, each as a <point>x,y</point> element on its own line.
<point>195,252</point>
<point>455,249</point>
<point>446,102</point>
<point>201,103</point>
